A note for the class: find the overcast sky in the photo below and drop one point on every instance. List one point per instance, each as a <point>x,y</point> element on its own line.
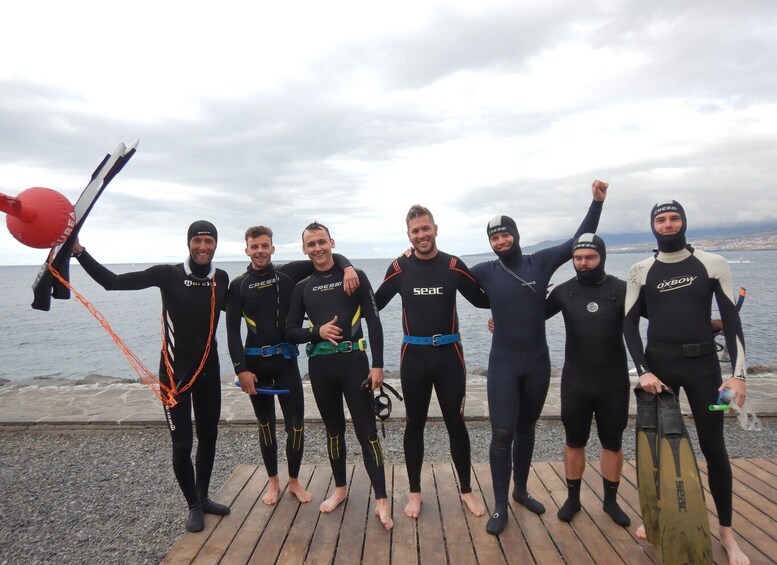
<point>348,112</point>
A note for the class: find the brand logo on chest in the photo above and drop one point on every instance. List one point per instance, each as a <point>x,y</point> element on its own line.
<point>675,283</point>
<point>428,291</point>
<point>592,307</point>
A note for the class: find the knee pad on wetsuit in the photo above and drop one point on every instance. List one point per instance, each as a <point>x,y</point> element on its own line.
<point>334,447</point>
<point>296,432</point>
<point>501,438</point>
<point>265,433</point>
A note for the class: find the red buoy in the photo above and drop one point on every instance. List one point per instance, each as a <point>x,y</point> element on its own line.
<point>39,217</point>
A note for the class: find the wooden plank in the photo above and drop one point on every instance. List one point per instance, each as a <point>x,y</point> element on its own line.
<point>718,553</point>
<point>355,515</point>
<point>221,539</point>
<point>757,477</point>
<point>619,537</point>
<point>766,464</point>
<point>431,548</point>
<point>253,526</point>
<point>487,547</point>
<point>324,542</point>
<point>285,510</point>
<point>753,522</point>
<point>187,548</point>
<point>534,527</point>
<point>585,525</point>
<point>404,537</point>
<point>377,540</point>
<point>301,533</point>
<point>452,510</point>
<point>564,537</point>
<point>291,533</point>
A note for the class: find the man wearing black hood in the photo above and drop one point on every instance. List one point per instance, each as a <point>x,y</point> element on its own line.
<point>519,363</point>
<point>674,289</point>
<point>595,378</point>
<point>193,295</point>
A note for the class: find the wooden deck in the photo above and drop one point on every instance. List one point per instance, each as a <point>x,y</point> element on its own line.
<point>291,533</point>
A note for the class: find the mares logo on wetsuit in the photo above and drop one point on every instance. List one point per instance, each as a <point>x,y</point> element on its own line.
<point>327,287</point>
<point>428,291</point>
<point>675,282</point>
<point>189,282</point>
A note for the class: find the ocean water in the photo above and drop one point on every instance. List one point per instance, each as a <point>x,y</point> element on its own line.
<point>67,342</point>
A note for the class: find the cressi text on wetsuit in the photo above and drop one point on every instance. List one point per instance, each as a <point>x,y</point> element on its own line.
<point>337,375</point>
<point>262,297</point>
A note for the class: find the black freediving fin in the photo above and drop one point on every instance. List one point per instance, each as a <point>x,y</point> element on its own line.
<point>683,522</point>
<point>647,462</point>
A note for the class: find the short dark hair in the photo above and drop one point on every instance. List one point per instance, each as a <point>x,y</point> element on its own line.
<point>257,231</point>
<point>315,226</point>
<point>416,211</point>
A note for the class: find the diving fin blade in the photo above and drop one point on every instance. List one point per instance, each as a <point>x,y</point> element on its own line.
<point>683,522</point>
<point>647,462</point>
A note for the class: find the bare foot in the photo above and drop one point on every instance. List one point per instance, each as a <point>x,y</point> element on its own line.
<point>337,498</point>
<point>473,504</point>
<point>640,533</point>
<point>299,491</point>
<point>413,507</point>
<point>729,543</point>
<point>383,511</point>
<point>273,491</point>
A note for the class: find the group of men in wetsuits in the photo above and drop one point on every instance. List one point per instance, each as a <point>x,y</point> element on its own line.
<point>274,301</point>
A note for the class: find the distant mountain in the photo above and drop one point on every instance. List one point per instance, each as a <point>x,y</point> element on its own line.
<point>743,237</point>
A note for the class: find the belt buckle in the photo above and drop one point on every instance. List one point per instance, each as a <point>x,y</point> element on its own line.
<point>350,347</point>
<point>691,350</point>
<point>434,339</point>
<point>266,348</point>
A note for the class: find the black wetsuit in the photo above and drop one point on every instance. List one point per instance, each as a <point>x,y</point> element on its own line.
<point>339,375</point>
<point>519,363</point>
<point>675,290</point>
<point>186,315</point>
<point>428,290</point>
<point>262,299</point>
<point>595,378</point>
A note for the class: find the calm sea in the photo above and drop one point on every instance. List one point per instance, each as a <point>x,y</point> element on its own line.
<point>67,342</point>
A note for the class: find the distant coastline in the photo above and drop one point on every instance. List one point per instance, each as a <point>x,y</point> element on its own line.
<point>641,243</point>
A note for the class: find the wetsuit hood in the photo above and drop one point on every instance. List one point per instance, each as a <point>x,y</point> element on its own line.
<point>202,227</point>
<point>674,242</point>
<point>597,274</point>
<point>506,224</point>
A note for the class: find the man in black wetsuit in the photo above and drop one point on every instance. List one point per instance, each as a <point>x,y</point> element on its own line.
<point>193,295</point>
<point>432,354</point>
<point>674,289</point>
<point>338,364</point>
<point>261,296</point>
<point>519,363</point>
<point>595,378</point>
